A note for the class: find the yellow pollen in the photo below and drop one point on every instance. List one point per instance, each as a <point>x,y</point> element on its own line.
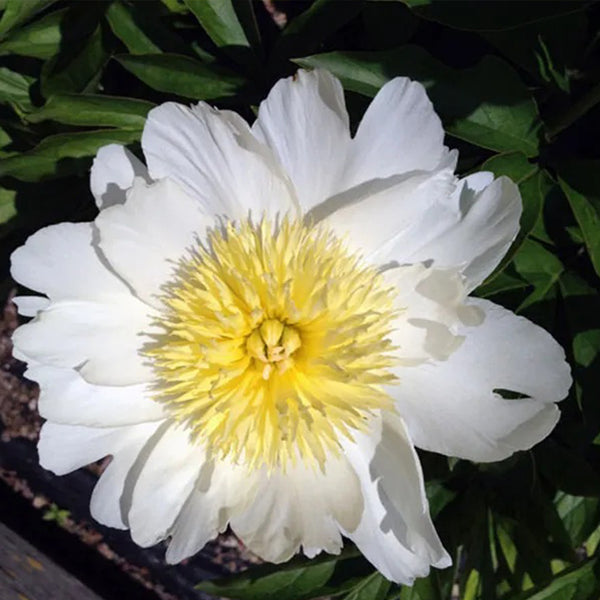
<point>274,343</point>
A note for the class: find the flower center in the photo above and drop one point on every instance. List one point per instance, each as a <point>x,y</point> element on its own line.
<point>273,343</point>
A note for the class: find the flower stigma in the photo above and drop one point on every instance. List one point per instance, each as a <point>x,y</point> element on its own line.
<point>273,342</point>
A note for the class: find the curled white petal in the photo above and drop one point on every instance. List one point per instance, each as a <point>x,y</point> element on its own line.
<point>111,498</point>
<point>100,339</point>
<point>66,397</point>
<point>237,177</point>
<point>395,531</point>
<point>112,174</point>
<point>30,306</point>
<point>62,262</point>
<point>305,122</point>
<point>165,480</point>
<point>301,508</point>
<point>156,225</point>
<point>399,133</point>
<point>451,406</point>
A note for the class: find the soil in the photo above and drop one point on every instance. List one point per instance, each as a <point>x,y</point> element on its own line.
<point>64,505</point>
<point>18,396</point>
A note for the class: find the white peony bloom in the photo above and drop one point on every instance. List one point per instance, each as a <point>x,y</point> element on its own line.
<point>263,323</point>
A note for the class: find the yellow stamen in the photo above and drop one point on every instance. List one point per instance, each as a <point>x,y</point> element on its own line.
<point>274,343</point>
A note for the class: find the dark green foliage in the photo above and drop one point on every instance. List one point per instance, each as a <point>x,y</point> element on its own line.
<point>517,85</point>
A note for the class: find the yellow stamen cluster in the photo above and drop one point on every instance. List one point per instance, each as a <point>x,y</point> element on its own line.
<point>273,343</point>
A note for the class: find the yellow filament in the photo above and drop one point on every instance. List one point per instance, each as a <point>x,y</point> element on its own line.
<point>274,343</point>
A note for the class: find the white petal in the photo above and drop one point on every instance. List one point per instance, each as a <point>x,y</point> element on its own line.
<point>145,238</point>
<point>109,503</point>
<point>101,339</point>
<point>304,121</point>
<point>29,306</point>
<point>214,156</point>
<point>395,533</point>
<point>302,507</point>
<point>378,213</point>
<point>430,308</point>
<point>223,489</point>
<point>65,397</point>
<point>64,448</point>
<point>478,228</point>
<point>61,262</point>
<point>450,406</point>
<point>471,185</point>
<point>113,171</point>
<point>399,132</point>
<point>163,486</point>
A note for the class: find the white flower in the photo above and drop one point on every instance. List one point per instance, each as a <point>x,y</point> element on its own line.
<point>261,325</point>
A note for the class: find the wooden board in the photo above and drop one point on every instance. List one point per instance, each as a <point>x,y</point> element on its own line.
<point>27,574</point>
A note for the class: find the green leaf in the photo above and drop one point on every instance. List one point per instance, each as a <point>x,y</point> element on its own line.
<point>580,582</point>
<point>18,11</point>
<point>294,585</point>
<point>8,209</point>
<point>78,72</point>
<point>472,524</point>
<point>91,110</point>
<point>175,6</point>
<point>425,588</point>
<point>487,105</point>
<point>124,26</point>
<point>580,516</point>
<point>532,185</point>
<point>524,553</point>
<point>586,347</point>
<point>373,587</point>
<point>575,234</point>
<point>503,531</point>
<point>14,88</point>
<point>512,164</point>
<point>592,543</point>
<point>183,76</point>
<point>298,579</point>
<point>472,585</point>
<point>5,138</point>
<point>50,157</point>
<point>439,496</point>
<point>540,268</point>
<point>490,16</point>
<point>143,29</point>
<point>291,583</point>
<point>580,301</point>
<point>581,185</point>
<point>548,527</point>
<point>503,282</point>
<point>40,39</point>
<point>220,21</point>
